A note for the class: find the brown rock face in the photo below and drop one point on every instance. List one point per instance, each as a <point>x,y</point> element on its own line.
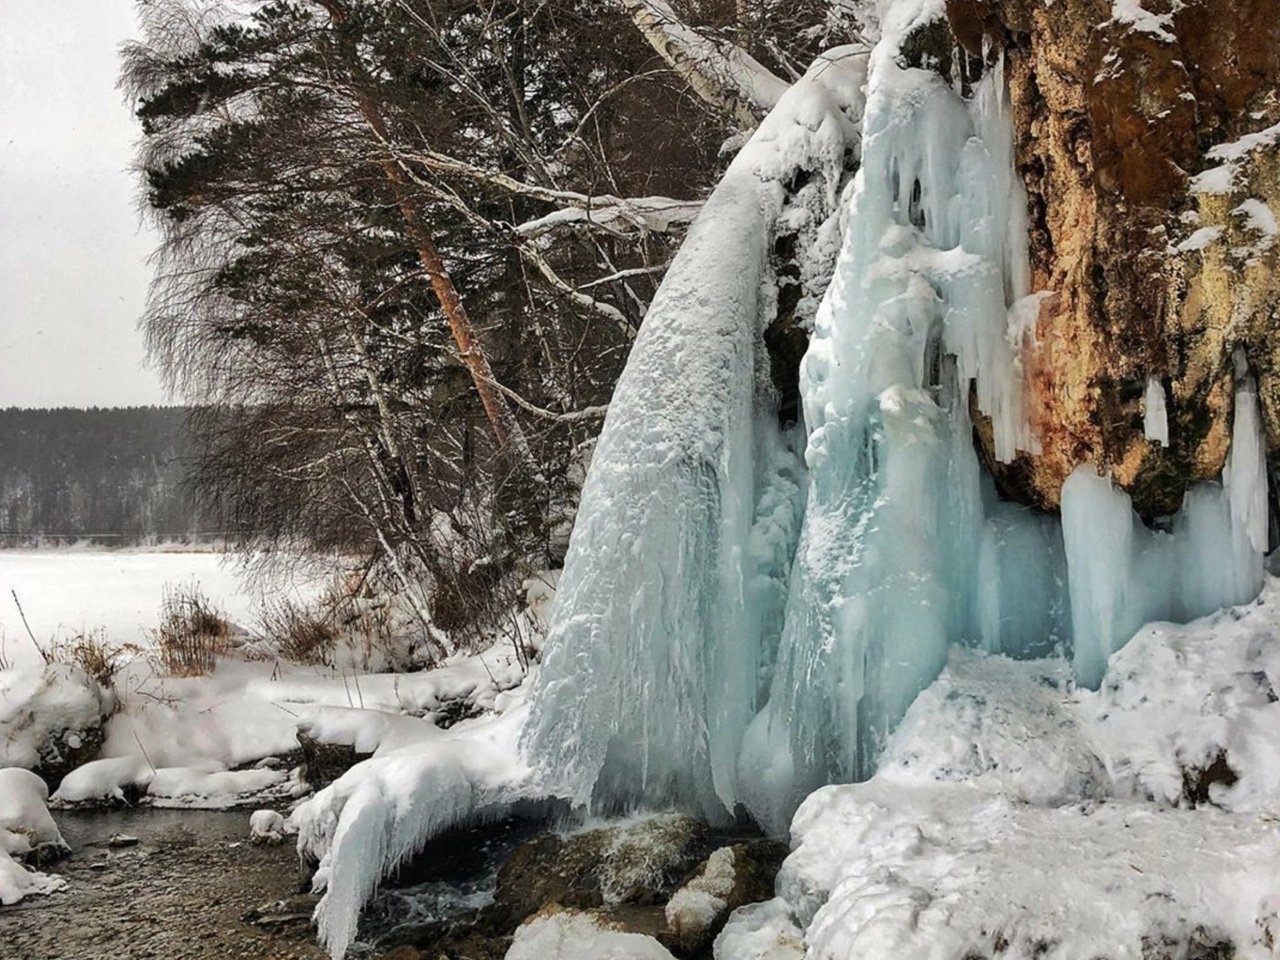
<point>1156,272</point>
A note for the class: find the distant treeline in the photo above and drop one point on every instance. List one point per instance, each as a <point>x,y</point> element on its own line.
<point>110,475</point>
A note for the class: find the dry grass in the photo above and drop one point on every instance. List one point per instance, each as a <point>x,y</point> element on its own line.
<point>92,653</point>
<point>192,633</point>
<point>301,634</point>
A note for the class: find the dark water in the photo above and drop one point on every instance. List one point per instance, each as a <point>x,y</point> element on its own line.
<point>455,877</point>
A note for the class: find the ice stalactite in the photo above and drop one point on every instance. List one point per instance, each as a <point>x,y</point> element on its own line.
<point>1122,575</point>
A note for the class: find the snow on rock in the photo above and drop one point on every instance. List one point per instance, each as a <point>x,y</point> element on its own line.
<point>1231,157</point>
<point>267,826</point>
<point>49,716</point>
<point>26,831</point>
<point>207,785</point>
<point>883,870</point>
<point>1005,725</point>
<point>696,906</point>
<point>26,828</point>
<point>761,931</point>
<point>570,935</point>
<point>1195,709</point>
<point>16,881</point>
<point>384,810</point>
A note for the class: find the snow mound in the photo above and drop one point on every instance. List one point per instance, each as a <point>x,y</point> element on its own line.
<point>1191,712</point>
<point>884,870</point>
<point>1007,725</point>
<point>205,786</point>
<point>26,828</point>
<point>384,810</point>
<point>580,936</point>
<point>44,711</point>
<point>267,826</point>
<point>761,931</point>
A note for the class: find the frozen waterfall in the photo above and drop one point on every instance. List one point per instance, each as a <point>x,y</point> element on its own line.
<point>745,615</point>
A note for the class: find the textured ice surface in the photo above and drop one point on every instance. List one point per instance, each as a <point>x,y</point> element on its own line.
<point>671,597</point>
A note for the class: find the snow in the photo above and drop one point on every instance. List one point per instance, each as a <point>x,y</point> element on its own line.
<point>1132,14</point>
<point>37,703</point>
<point>881,870</point>
<point>17,882</point>
<point>1176,698</point>
<point>1155,413</point>
<point>1013,807</point>
<point>25,828</point>
<point>72,590</point>
<point>569,935</point>
<point>267,826</point>
<point>1006,725</point>
<point>1257,217</point>
<point>25,824</point>
<point>1222,178</point>
<point>761,931</point>
<point>207,785</point>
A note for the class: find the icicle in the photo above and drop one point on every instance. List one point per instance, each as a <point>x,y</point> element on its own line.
<point>1155,414</point>
<point>1245,475</point>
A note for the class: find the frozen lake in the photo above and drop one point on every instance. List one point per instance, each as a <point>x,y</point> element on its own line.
<point>66,591</point>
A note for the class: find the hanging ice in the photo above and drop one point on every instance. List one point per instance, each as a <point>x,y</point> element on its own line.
<point>1155,413</point>
<point>671,600</point>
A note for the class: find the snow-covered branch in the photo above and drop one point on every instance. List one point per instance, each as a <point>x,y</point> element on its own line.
<point>721,73</point>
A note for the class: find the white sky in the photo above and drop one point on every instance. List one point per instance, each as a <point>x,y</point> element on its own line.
<point>72,273</point>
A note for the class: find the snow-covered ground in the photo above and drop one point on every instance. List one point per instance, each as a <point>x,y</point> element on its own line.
<point>69,590</point>
<point>1015,814</point>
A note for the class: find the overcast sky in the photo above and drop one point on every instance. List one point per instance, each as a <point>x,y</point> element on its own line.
<point>72,271</point>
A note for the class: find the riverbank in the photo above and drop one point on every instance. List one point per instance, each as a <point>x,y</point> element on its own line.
<point>183,891</point>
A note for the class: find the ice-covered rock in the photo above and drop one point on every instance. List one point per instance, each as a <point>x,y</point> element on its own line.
<point>267,826</point>
<point>729,878</point>
<point>557,934</point>
<point>16,881</point>
<point>385,809</point>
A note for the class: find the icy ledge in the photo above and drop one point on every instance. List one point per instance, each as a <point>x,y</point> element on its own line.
<point>1016,815</point>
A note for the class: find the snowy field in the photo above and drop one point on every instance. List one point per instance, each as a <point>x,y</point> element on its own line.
<point>65,591</point>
